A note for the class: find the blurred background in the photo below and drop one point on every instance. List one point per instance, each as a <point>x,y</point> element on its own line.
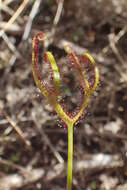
<point>33,141</point>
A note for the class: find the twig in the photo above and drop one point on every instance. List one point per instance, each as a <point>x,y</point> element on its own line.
<point>7,2</point>
<point>28,174</point>
<point>78,49</point>
<point>14,27</point>
<point>51,34</point>
<point>10,44</point>
<point>115,50</point>
<point>14,17</point>
<point>6,9</point>
<point>9,163</point>
<point>47,141</point>
<point>116,39</point>
<point>9,10</point>
<point>27,30</point>
<point>32,15</point>
<point>58,13</point>
<point>112,42</point>
<point>15,127</point>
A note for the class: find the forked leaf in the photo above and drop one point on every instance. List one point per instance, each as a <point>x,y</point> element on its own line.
<point>52,96</point>
<point>56,75</point>
<point>95,70</point>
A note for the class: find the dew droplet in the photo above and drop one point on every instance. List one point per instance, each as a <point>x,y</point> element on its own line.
<point>59,125</point>
<point>37,95</point>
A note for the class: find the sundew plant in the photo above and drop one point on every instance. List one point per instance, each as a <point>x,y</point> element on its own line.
<point>52,92</point>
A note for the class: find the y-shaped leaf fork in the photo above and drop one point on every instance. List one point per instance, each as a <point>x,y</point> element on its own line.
<point>52,94</point>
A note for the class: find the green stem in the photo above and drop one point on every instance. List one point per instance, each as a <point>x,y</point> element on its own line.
<point>70,156</point>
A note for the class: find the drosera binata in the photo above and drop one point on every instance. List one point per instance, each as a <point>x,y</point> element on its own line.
<point>52,92</point>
